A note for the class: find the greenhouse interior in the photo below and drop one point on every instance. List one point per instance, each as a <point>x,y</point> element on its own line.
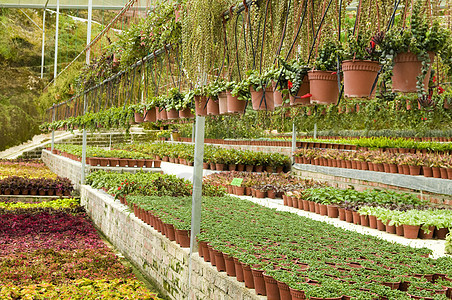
<point>226,149</point>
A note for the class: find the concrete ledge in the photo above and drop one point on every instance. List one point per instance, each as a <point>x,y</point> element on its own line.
<point>417,183</point>
<point>161,260</point>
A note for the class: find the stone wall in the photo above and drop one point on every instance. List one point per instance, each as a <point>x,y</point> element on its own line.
<point>162,261</point>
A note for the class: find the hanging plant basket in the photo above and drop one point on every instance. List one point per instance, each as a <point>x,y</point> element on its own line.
<point>213,107</point>
<point>138,118</point>
<point>407,67</point>
<point>162,114</point>
<point>223,103</point>
<point>359,77</point>
<point>172,114</point>
<point>234,104</point>
<point>186,113</point>
<point>200,105</point>
<point>303,97</point>
<point>278,97</point>
<point>262,99</point>
<point>150,115</point>
<point>323,87</point>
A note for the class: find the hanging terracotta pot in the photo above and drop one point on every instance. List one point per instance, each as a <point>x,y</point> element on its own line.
<point>223,103</point>
<point>185,113</point>
<point>138,118</point>
<point>200,105</point>
<point>150,115</point>
<point>162,114</point>
<point>213,107</point>
<point>323,87</point>
<point>172,114</point>
<point>234,104</point>
<point>359,77</point>
<point>406,69</point>
<point>278,97</point>
<point>303,97</point>
<point>262,99</point>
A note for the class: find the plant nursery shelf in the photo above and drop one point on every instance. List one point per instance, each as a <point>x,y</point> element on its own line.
<point>420,183</point>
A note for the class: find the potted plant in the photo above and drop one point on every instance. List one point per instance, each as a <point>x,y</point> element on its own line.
<point>238,95</point>
<point>174,100</point>
<point>261,91</point>
<point>295,82</point>
<point>361,66</point>
<point>410,52</point>
<point>323,78</point>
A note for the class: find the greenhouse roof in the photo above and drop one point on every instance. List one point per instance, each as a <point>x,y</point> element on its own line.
<point>69,4</point>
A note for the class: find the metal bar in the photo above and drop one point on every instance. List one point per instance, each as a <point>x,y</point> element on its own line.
<point>88,31</point>
<point>53,131</point>
<point>82,179</point>
<point>315,130</point>
<point>294,141</point>
<point>55,67</point>
<point>197,191</point>
<point>30,19</point>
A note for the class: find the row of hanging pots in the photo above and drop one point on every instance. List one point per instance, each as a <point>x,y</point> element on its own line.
<point>225,104</point>
<point>159,114</point>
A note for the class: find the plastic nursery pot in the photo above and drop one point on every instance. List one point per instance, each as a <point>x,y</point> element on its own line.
<point>213,107</point>
<point>200,105</point>
<point>223,103</point>
<point>359,77</point>
<point>406,69</point>
<point>323,87</point>
<point>262,99</point>
<point>234,104</point>
<point>411,231</point>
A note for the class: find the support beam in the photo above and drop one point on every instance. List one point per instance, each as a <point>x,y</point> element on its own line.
<point>294,141</point>
<point>82,179</point>
<point>43,38</point>
<point>88,30</point>
<point>197,191</point>
<point>53,131</point>
<point>315,130</point>
<point>55,67</point>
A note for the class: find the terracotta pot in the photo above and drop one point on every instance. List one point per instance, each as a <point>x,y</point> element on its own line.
<point>114,162</point>
<point>262,99</point>
<point>390,228</point>
<point>213,107</point>
<point>443,172</point>
<point>311,206</point>
<point>219,167</point>
<point>248,276</point>
<point>235,105</point>
<point>238,270</point>
<point>380,225</point>
<point>249,168</point>
<point>258,168</point>
<point>150,115</point>
<point>213,166</point>
<point>171,233</point>
<point>229,264</point>
<point>201,246</point>
<point>184,238</point>
<point>436,172</point>
<point>305,205</point>
<point>277,96</point>
<point>373,222</point>
<point>406,68</point>
<point>260,194</point>
<point>140,163</point>
<point>393,168</point>
<point>240,190</point>
<point>200,105</point>
<point>223,103</point>
<point>284,291</point>
<point>399,230</point>
<point>272,194</point>
<point>341,213</point>
<point>441,233</point>
<point>186,113</point>
<point>364,220</point>
<point>138,118</point>
<point>211,255</point>
<point>333,211</point>
<point>323,87</point>
<point>162,114</point>
<point>271,288</point>
<point>93,161</point>
<point>424,235</point>
<point>415,170</point>
<point>356,219</point>
<point>240,167</point>
<point>296,294</point>
<point>323,209</point>
<point>301,97</point>
<point>359,76</point>
<point>219,260</point>
<point>259,283</point>
<point>349,216</point>
<point>410,231</point>
<point>205,166</point>
<point>206,253</point>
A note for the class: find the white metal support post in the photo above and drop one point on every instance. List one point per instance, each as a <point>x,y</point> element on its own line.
<point>315,130</point>
<point>53,130</point>
<point>43,38</point>
<point>55,67</point>
<point>88,40</point>
<point>294,141</point>
<point>197,192</point>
